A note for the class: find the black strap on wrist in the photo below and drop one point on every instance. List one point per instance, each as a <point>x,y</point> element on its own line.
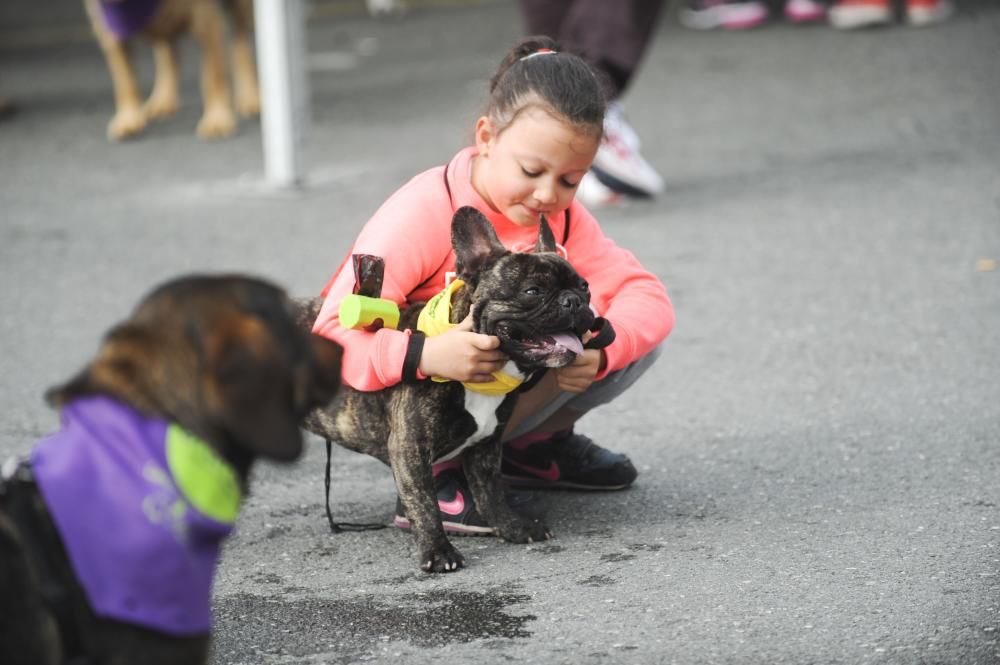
<point>604,334</point>
<point>411,362</point>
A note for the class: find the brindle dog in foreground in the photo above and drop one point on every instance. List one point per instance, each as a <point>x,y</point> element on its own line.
<point>538,306</point>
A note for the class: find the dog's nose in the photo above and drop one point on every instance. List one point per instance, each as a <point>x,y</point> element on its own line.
<point>570,301</point>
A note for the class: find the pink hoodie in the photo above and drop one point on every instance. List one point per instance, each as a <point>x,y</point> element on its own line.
<point>412,232</point>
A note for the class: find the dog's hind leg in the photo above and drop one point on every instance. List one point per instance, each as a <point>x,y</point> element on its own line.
<point>164,101</point>
<point>129,118</point>
<point>244,66</point>
<point>208,26</point>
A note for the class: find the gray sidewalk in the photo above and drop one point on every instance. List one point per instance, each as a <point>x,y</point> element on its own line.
<point>819,445</point>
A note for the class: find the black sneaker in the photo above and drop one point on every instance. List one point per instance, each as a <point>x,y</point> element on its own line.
<point>567,461</point>
<point>458,510</point>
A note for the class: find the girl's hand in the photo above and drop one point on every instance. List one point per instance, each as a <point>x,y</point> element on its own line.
<point>577,377</point>
<point>462,355</point>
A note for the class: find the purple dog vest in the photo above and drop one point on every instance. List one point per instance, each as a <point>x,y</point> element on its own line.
<point>124,18</point>
<point>117,493</point>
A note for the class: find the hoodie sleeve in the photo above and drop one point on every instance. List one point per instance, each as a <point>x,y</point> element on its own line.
<point>633,299</point>
<point>411,231</point>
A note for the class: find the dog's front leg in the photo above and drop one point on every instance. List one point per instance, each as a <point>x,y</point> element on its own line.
<point>482,469</point>
<point>165,99</point>
<point>129,118</point>
<point>411,468</point>
<point>208,25</point>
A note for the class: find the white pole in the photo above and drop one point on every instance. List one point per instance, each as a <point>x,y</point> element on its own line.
<point>281,36</point>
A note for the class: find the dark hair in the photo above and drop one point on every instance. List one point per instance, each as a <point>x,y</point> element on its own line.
<point>560,83</point>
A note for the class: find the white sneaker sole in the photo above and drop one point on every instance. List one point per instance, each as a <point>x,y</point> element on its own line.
<point>852,18</point>
<point>730,17</point>
<point>593,193</point>
<point>919,17</point>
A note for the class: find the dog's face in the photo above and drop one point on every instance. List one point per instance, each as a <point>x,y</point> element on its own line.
<point>222,357</point>
<point>535,303</point>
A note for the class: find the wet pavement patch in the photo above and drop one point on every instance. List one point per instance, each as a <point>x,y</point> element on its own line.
<point>617,557</point>
<point>250,629</point>
<point>546,549</point>
<point>598,580</point>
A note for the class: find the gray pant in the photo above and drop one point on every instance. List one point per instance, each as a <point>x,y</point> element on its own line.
<point>599,392</point>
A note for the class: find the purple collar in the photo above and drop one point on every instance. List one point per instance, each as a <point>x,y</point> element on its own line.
<point>125,18</point>
<point>140,548</point>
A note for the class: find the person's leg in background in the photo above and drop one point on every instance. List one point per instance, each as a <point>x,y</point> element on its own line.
<point>613,37</point>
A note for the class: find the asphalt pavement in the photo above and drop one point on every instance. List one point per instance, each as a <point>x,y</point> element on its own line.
<point>819,444</point>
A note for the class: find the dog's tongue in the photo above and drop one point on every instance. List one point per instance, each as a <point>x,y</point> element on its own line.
<point>571,342</point>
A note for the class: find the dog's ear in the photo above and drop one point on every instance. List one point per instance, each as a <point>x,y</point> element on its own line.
<point>546,239</point>
<point>122,369</point>
<point>475,242</point>
<point>248,389</point>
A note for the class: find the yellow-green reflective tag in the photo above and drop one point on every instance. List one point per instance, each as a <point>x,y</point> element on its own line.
<point>204,478</point>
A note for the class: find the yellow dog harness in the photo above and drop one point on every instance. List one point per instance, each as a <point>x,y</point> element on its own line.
<point>435,318</point>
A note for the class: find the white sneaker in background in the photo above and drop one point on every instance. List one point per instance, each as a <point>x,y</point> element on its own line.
<point>854,14</point>
<point>725,14</point>
<point>592,193</point>
<point>618,164</point>
<point>920,13</point>
<point>385,7</point>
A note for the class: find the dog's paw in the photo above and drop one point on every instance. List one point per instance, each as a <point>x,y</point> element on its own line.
<point>161,105</point>
<point>218,122</point>
<point>248,100</point>
<point>445,559</point>
<point>524,531</point>
<point>128,121</point>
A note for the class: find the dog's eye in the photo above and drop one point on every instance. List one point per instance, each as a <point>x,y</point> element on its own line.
<point>532,291</point>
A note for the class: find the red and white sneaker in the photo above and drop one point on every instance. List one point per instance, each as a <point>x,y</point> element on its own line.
<point>853,14</point>
<point>804,11</point>
<point>593,193</point>
<point>618,164</point>
<point>920,13</point>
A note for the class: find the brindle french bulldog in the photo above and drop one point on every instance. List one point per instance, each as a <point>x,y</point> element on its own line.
<point>538,306</point>
<point>110,533</point>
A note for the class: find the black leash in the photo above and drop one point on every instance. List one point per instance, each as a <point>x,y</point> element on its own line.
<point>340,527</point>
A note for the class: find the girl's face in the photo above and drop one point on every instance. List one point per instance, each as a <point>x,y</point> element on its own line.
<point>533,167</point>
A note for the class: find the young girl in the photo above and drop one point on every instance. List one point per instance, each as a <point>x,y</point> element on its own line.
<point>535,142</point>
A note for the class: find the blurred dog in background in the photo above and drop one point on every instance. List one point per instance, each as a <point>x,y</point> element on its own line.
<point>117,25</point>
<point>110,532</point>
